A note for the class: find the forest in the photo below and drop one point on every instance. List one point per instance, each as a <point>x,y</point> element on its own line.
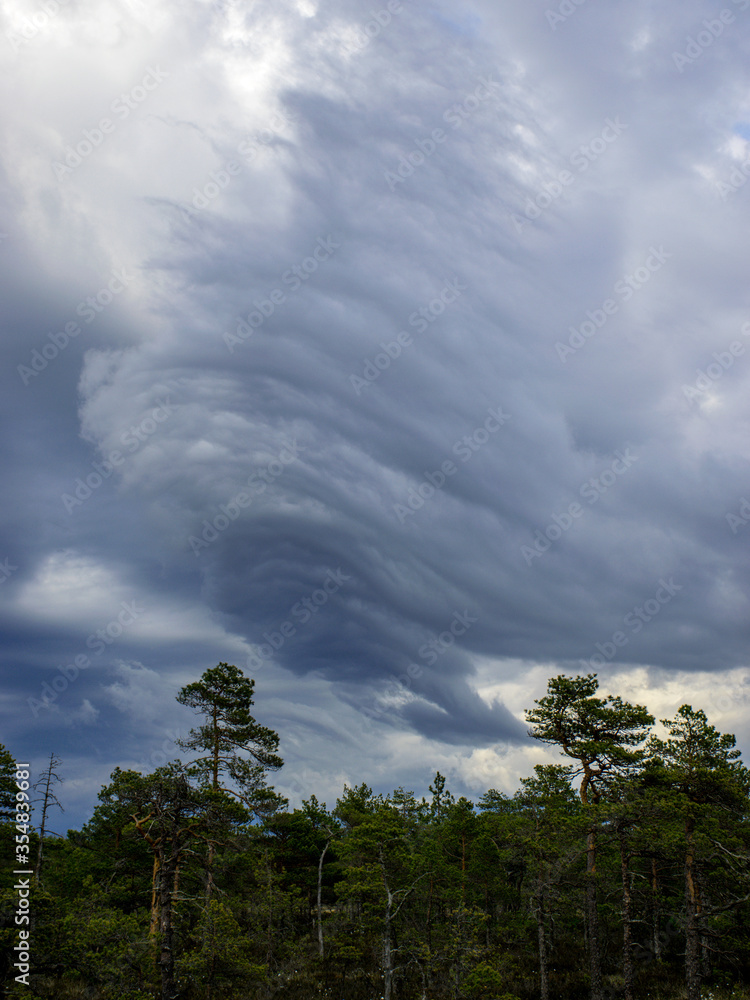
<point>622,871</point>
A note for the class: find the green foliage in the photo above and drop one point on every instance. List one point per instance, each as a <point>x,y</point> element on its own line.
<point>7,784</point>
<point>483,983</point>
<point>436,898</point>
<point>102,946</point>
<point>224,696</point>
<point>600,733</point>
<point>220,956</point>
<point>699,762</point>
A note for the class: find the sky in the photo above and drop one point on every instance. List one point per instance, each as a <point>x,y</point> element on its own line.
<point>397,354</point>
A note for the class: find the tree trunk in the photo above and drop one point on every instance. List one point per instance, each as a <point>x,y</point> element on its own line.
<point>166,949</point>
<point>704,949</point>
<point>42,829</point>
<point>460,947</point>
<point>429,916</point>
<point>321,949</point>
<point>592,918</point>
<point>210,872</point>
<point>176,892</point>
<point>387,948</point>
<point>628,968</point>
<point>215,784</point>
<point>692,929</point>
<point>216,740</point>
<point>542,938</point>
<point>153,930</point>
<point>655,912</point>
<point>463,869</point>
<point>49,796</point>
<point>269,932</point>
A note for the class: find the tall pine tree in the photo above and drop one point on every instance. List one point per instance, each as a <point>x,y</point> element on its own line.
<point>601,734</point>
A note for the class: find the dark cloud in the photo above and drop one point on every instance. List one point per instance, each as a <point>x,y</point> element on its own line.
<point>408,326</point>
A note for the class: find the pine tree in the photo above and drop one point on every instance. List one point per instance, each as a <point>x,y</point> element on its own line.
<point>172,816</point>
<point>48,798</point>
<point>224,696</point>
<point>7,784</point>
<point>702,766</point>
<point>550,804</point>
<point>601,734</point>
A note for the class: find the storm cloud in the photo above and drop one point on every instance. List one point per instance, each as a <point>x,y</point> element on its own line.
<point>398,355</point>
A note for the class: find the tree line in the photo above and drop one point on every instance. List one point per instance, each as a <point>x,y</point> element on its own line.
<point>622,872</point>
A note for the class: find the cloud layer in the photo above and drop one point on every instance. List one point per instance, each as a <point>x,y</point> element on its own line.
<point>398,356</point>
